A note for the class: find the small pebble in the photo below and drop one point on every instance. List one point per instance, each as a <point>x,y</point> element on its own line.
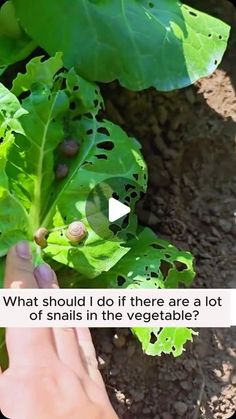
<point>107,347</point>
<point>131,350</point>
<point>218,373</point>
<point>225,226</point>
<point>166,415</point>
<point>101,363</point>
<point>180,408</point>
<point>119,340</point>
<point>190,96</point>
<point>233,379</point>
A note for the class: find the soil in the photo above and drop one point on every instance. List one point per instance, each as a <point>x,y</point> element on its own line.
<point>189,143</point>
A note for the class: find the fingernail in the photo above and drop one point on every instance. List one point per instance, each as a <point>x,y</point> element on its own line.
<point>23,250</point>
<point>44,275</point>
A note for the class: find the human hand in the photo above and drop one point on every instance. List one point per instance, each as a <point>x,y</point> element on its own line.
<point>53,373</point>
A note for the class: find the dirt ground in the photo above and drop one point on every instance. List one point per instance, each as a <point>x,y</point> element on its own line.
<point>189,142</point>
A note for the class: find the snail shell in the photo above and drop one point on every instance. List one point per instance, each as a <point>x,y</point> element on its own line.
<point>69,148</point>
<point>61,171</point>
<point>76,232</point>
<point>40,237</point>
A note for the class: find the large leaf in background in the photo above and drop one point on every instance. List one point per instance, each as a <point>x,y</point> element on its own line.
<point>160,43</point>
<point>53,109</point>
<point>15,45</point>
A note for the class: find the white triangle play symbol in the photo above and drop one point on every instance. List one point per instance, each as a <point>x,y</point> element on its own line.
<point>116,210</point>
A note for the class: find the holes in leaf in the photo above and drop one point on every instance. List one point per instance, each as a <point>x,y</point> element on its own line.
<point>114,228</point>
<point>156,246</point>
<point>106,145</point>
<point>180,266</point>
<point>220,37</point>
<point>154,275</point>
<point>215,62</point>
<point>1,140</point>
<point>103,130</point>
<point>89,132</point>
<point>134,194</point>
<point>192,13</point>
<point>73,106</point>
<point>209,35</point>
<point>151,5</point>
<point>125,222</point>
<point>153,338</point>
<point>101,156</point>
<point>115,195</point>
<point>120,280</point>
<point>95,102</point>
<point>128,187</point>
<point>127,199</point>
<point>135,175</point>
<point>165,267</point>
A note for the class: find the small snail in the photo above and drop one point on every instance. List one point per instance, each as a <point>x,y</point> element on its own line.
<point>76,232</point>
<point>61,171</point>
<point>40,237</point>
<point>69,148</point>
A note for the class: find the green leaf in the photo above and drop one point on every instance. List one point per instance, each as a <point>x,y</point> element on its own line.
<point>15,45</point>
<point>58,106</point>
<point>162,43</point>
<point>169,340</point>
<point>151,263</point>
<point>14,223</point>
<point>37,71</point>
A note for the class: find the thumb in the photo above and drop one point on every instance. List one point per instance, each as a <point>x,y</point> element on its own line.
<point>19,267</point>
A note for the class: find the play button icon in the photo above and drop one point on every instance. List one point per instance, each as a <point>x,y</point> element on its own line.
<point>110,207</point>
<point>117,210</point>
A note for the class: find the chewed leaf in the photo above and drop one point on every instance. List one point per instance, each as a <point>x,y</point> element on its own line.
<point>58,106</point>
<point>37,71</point>
<point>151,263</point>
<point>15,45</point>
<point>161,43</point>
<point>158,341</point>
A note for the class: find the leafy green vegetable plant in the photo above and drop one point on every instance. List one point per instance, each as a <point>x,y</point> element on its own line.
<point>45,187</point>
<point>142,43</point>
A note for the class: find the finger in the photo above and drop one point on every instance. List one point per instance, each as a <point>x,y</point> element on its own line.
<point>88,355</point>
<point>30,346</point>
<point>19,267</point>
<point>65,338</point>
<point>68,350</point>
<point>45,276</point>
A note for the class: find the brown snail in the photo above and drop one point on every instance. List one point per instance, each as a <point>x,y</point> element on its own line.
<point>61,171</point>
<point>76,232</point>
<point>69,148</point>
<point>40,237</point>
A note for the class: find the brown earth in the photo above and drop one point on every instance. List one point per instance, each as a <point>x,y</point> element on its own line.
<point>189,142</point>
